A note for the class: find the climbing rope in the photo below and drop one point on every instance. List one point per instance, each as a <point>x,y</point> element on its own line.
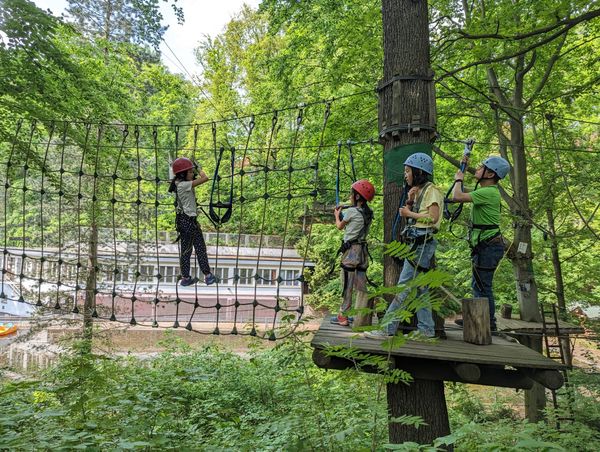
<point>86,219</point>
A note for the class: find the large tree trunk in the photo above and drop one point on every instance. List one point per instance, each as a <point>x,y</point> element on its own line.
<point>410,100</point>
<point>422,398</point>
<point>406,52</point>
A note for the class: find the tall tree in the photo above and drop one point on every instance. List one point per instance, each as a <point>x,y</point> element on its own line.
<point>138,22</point>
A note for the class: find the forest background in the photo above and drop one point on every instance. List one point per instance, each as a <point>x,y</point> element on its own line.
<point>494,65</point>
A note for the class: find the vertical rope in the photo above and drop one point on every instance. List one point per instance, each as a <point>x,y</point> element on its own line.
<point>88,128</point>
<point>42,226</point>
<point>156,205</point>
<point>265,197</point>
<point>24,202</point>
<point>113,202</point>
<point>351,157</point>
<point>277,308</point>
<point>6,203</point>
<point>93,267</point>
<point>138,203</point>
<point>242,201</point>
<point>60,212</point>
<point>301,279</point>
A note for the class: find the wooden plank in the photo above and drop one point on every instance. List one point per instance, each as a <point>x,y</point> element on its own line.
<point>453,349</point>
<point>413,350</point>
<point>518,325</point>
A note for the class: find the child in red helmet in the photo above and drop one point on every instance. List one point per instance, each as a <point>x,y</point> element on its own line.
<point>355,222</point>
<point>190,234</point>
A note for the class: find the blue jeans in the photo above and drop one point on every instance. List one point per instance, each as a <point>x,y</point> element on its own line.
<point>485,260</point>
<point>423,255</point>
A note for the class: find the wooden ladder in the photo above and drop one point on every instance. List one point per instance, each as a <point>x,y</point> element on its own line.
<point>556,352</point>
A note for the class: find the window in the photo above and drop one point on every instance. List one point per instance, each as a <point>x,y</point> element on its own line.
<point>246,276</point>
<point>146,273</point>
<point>290,277</point>
<point>222,274</point>
<point>169,274</point>
<point>267,277</point>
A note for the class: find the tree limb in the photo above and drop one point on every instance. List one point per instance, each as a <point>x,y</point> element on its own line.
<point>524,51</point>
<point>567,23</point>
<point>553,59</point>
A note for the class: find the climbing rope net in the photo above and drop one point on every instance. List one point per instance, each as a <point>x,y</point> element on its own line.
<point>88,223</point>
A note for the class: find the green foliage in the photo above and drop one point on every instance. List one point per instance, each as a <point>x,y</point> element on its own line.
<point>186,399</point>
<point>269,399</point>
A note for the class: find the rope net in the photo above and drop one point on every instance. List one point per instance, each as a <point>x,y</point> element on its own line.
<point>88,223</point>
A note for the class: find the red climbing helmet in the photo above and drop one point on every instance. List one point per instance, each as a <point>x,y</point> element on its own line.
<point>182,164</point>
<point>364,188</point>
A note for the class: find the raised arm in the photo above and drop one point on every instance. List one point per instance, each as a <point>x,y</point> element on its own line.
<point>458,194</point>
<point>202,178</point>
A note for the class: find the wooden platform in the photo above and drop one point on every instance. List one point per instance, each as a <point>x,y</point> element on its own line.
<point>503,363</point>
<point>520,326</point>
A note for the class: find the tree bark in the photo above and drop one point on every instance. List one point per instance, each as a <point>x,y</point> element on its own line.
<point>410,100</point>
<point>476,321</point>
<point>535,398</point>
<point>421,398</point>
<point>406,52</point>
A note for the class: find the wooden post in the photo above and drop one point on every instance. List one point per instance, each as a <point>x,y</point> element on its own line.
<point>361,304</point>
<point>535,398</point>
<point>476,321</point>
<point>506,311</point>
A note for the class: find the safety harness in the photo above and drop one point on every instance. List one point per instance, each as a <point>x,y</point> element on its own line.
<point>361,239</point>
<point>421,239</point>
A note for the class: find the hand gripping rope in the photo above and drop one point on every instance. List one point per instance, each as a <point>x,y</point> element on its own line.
<point>453,215</point>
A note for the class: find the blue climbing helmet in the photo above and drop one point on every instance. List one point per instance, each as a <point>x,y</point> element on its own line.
<point>420,161</point>
<point>498,165</point>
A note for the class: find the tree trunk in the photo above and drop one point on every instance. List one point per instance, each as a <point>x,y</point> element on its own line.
<point>408,100</point>
<point>422,398</point>
<point>565,343</point>
<point>521,255</point>
<point>406,52</point>
<point>548,182</point>
<point>535,398</point>
<point>522,259</point>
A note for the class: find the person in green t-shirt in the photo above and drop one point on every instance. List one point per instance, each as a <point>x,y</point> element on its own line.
<point>487,244</point>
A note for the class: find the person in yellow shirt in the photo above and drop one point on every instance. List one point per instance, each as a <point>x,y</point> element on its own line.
<point>423,217</point>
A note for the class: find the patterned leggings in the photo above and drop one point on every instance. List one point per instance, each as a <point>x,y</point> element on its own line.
<point>191,235</point>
